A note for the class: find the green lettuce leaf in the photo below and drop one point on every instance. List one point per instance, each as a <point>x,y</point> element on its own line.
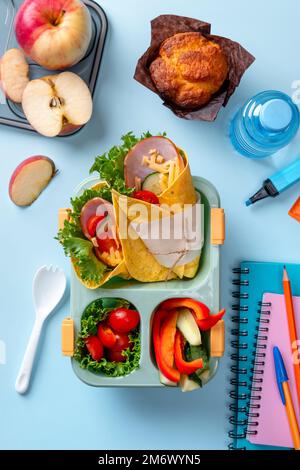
<point>91,269</point>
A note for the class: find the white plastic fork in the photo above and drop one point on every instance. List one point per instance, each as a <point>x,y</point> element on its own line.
<point>49,285</point>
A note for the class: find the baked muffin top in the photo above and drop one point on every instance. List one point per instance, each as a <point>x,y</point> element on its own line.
<point>189,69</point>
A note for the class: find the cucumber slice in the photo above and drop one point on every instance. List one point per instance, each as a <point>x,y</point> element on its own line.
<point>187,384</point>
<point>186,323</point>
<point>152,183</point>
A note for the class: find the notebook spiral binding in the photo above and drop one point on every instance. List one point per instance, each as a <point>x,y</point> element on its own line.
<point>257,369</point>
<point>245,412</point>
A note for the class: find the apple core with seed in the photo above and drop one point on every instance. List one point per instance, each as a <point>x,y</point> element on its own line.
<point>57,104</point>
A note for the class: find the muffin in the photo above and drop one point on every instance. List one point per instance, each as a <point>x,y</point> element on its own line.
<point>189,69</point>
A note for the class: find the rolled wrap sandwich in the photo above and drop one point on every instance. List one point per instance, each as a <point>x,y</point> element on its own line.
<point>159,219</point>
<point>89,237</point>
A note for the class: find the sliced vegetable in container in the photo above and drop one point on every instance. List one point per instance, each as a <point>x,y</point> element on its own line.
<point>180,335</point>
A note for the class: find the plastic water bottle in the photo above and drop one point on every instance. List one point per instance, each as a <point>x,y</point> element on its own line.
<point>265,124</point>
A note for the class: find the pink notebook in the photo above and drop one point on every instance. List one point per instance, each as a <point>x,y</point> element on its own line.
<point>273,428</point>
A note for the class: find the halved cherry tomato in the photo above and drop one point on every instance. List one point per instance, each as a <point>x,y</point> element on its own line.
<point>115,356</point>
<point>146,196</point>
<point>93,222</point>
<point>123,320</point>
<point>122,342</point>
<point>106,335</point>
<point>94,347</point>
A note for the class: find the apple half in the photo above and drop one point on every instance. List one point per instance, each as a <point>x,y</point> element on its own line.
<point>58,104</point>
<point>14,74</point>
<point>30,178</point>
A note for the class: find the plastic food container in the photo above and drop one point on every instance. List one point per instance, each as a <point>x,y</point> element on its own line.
<point>11,114</point>
<point>147,296</point>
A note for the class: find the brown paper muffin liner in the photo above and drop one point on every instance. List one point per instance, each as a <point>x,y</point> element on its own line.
<point>239,59</point>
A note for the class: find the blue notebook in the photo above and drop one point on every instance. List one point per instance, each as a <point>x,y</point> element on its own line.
<point>254,279</point>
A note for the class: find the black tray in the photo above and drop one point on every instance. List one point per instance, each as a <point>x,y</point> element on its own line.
<point>11,114</point>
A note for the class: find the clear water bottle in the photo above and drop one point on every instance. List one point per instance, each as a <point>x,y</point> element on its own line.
<point>264,125</point>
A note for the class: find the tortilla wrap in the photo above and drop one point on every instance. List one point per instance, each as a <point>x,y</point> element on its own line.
<point>175,194</point>
<point>119,271</point>
<point>152,258</point>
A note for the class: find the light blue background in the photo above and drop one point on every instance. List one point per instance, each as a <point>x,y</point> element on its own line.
<point>59,411</point>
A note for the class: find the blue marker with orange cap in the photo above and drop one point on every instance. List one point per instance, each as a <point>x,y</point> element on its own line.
<point>285,394</point>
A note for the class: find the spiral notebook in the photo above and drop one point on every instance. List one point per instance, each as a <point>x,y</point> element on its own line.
<point>270,424</point>
<point>250,325</point>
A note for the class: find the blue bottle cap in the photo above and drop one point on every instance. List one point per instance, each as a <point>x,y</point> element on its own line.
<point>275,115</point>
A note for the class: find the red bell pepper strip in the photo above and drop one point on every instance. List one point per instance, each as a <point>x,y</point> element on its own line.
<point>201,312</point>
<point>167,337</point>
<point>169,372</point>
<point>182,365</point>
<point>208,323</point>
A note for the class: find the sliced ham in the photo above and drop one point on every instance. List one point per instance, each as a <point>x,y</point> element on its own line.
<point>96,206</point>
<point>133,163</point>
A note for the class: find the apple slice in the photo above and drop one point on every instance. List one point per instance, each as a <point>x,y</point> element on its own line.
<point>30,178</point>
<point>57,104</point>
<point>14,74</point>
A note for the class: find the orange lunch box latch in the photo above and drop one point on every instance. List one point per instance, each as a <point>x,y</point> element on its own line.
<point>217,339</point>
<point>67,337</point>
<point>217,226</point>
<point>63,214</point>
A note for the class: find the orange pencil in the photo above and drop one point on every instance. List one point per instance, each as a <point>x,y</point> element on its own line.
<point>292,327</point>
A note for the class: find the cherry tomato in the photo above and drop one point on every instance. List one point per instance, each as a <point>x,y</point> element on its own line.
<point>123,320</point>
<point>122,342</point>
<point>94,347</point>
<point>146,196</point>
<point>115,356</point>
<point>105,244</point>
<point>106,335</point>
<point>93,222</point>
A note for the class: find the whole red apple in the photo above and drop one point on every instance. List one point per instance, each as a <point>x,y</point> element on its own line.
<point>56,34</point>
